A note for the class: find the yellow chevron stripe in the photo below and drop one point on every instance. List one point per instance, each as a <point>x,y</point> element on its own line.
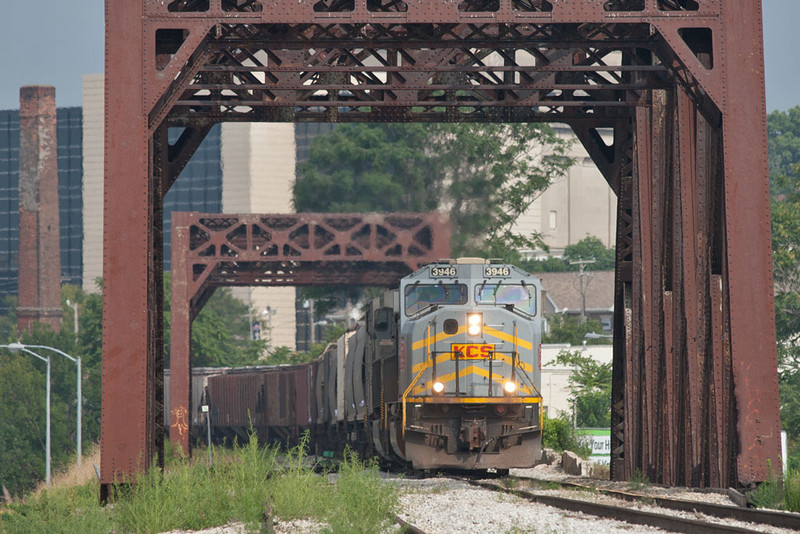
<point>506,337</point>
<point>448,356</point>
<point>435,399</point>
<point>441,358</point>
<point>472,369</point>
<point>434,339</point>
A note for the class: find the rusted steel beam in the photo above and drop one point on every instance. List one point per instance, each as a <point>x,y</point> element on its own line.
<point>749,258</point>
<point>128,426</point>
<point>298,249</point>
<point>39,278</point>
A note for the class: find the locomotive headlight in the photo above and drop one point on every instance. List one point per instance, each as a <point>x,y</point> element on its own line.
<point>509,387</point>
<point>474,324</point>
<point>438,387</point>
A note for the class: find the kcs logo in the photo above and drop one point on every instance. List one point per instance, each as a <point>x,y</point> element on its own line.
<point>472,351</point>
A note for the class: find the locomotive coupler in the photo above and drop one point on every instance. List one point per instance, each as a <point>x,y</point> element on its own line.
<point>473,433</point>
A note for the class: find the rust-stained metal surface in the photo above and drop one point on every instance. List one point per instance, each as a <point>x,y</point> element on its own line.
<point>677,84</point>
<point>39,289</point>
<point>273,401</point>
<point>213,250</point>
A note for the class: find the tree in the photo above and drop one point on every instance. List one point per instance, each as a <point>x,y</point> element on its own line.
<point>591,248</point>
<point>485,176</point>
<point>590,386</point>
<point>221,335</point>
<point>22,386</point>
<point>783,130</point>
<point>783,143</point>
<point>569,329</point>
<point>588,248</point>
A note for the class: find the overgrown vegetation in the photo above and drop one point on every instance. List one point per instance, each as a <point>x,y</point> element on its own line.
<point>559,434</point>
<point>590,388</point>
<point>237,488</point>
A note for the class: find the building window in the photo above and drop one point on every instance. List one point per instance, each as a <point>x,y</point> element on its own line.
<point>553,219</point>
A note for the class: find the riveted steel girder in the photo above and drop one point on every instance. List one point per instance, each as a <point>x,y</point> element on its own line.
<point>302,249</point>
<point>680,83</point>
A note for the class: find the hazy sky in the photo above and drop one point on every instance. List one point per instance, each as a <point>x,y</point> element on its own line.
<point>54,42</point>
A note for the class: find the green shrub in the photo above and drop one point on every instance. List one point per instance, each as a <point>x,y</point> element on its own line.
<point>559,434</point>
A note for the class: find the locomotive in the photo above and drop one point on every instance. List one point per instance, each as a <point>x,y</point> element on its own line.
<point>443,372</point>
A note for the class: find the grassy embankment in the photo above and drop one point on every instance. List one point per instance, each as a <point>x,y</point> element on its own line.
<point>191,495</point>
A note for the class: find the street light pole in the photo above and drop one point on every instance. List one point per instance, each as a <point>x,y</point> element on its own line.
<point>74,306</point>
<point>77,361</point>
<point>14,347</point>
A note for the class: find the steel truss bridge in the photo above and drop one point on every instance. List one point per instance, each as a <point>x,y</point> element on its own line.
<point>678,85</point>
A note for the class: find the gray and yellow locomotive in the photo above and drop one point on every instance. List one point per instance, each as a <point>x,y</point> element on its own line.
<point>449,376</point>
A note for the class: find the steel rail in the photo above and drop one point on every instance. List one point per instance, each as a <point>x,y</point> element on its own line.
<point>408,527</point>
<point>750,515</point>
<point>621,513</point>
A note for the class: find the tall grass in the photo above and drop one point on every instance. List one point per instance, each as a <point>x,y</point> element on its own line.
<point>191,495</point>
<point>774,494</point>
<point>367,503</point>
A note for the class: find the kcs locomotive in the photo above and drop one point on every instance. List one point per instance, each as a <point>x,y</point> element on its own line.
<point>443,373</point>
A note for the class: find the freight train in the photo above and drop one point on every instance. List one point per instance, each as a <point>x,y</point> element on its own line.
<point>443,372</point>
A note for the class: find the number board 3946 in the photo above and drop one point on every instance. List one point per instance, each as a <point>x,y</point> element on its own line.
<point>449,272</point>
<point>496,271</point>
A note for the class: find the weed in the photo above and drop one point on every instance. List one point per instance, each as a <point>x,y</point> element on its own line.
<point>769,493</point>
<point>365,503</point>
<point>190,495</point>
<point>601,472</point>
<point>638,481</point>
<point>509,482</point>
<point>791,489</point>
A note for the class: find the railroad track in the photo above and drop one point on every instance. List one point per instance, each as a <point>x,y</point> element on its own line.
<point>408,528</point>
<point>655,519</point>
<point>750,515</point>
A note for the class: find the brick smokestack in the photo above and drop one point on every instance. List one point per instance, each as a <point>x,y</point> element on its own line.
<point>39,290</point>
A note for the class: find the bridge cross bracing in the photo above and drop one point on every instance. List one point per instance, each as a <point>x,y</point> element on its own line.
<point>679,83</point>
<point>251,249</point>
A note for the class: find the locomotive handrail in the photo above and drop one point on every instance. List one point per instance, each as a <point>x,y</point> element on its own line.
<point>405,396</point>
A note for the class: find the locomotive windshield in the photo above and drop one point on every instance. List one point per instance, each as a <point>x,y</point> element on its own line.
<point>421,296</point>
<point>521,297</point>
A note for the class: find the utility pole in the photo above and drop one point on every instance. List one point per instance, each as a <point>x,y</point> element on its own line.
<point>581,274</point>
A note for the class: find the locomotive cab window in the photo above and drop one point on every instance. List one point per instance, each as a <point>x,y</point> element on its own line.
<point>383,317</point>
<point>421,296</point>
<point>521,297</point>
